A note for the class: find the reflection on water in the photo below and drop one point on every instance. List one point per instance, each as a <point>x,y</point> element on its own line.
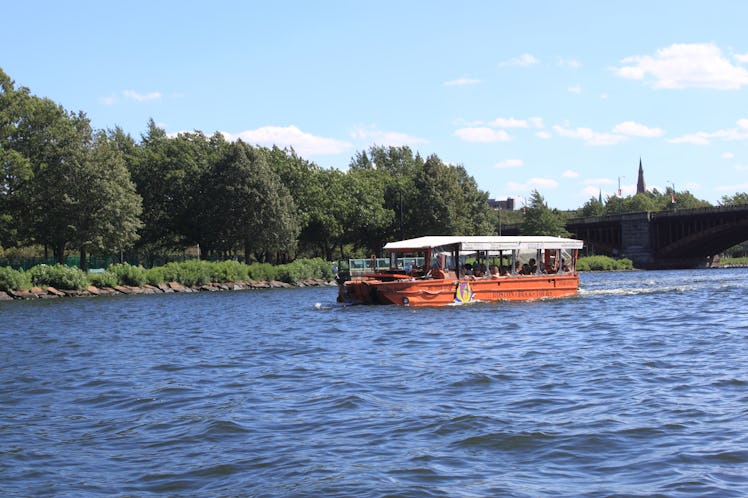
<point>637,386</point>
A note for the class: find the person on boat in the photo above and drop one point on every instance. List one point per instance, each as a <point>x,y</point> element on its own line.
<point>495,272</point>
<point>479,270</point>
<point>530,267</point>
<point>437,272</point>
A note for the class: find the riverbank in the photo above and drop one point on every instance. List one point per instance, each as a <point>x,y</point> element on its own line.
<point>171,287</point>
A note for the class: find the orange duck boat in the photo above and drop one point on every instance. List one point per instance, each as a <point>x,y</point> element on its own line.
<point>444,270</point>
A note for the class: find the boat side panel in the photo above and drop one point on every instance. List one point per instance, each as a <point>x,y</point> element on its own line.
<point>443,292</point>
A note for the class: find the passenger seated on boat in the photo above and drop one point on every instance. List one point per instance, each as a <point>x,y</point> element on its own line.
<point>530,267</point>
<point>437,272</point>
<point>551,268</point>
<point>479,270</point>
<point>495,273</point>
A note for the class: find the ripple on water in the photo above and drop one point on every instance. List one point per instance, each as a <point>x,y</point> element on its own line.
<point>636,387</point>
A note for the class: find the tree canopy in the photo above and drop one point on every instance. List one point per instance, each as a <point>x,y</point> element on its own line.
<point>67,187</point>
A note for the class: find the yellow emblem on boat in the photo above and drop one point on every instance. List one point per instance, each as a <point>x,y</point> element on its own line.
<point>463,294</point>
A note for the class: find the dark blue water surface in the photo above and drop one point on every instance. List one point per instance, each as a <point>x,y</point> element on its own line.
<point>636,387</point>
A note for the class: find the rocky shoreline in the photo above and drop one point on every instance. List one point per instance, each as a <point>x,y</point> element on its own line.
<point>171,287</point>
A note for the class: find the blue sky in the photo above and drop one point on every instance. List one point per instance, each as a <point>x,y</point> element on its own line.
<point>562,97</point>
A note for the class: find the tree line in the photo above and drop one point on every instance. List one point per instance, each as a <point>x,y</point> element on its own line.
<point>66,187</point>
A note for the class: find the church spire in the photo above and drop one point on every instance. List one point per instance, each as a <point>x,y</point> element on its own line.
<point>640,186</point>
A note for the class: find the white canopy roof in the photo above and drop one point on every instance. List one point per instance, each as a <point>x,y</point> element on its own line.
<point>485,243</point>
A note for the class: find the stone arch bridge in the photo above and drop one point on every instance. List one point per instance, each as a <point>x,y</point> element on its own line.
<point>681,238</point>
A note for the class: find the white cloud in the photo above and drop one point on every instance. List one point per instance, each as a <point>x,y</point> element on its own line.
<point>733,188</point>
<point>508,123</point>
<point>741,167</point>
<point>533,184</point>
<point>141,97</point>
<point>739,133</point>
<point>741,58</point>
<point>589,136</point>
<point>482,134</point>
<point>462,82</point>
<point>386,138</point>
<point>291,136</point>
<point>111,100</point>
<point>684,65</point>
<point>509,163</point>
<point>570,63</point>
<point>543,134</point>
<point>537,122</point>
<point>698,138</point>
<point>592,191</point>
<point>575,89</point>
<point>727,155</point>
<point>598,181</point>
<point>570,174</point>
<point>633,129</point>
<point>524,60</point>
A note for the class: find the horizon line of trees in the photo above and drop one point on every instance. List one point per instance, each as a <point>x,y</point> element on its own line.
<point>67,187</point>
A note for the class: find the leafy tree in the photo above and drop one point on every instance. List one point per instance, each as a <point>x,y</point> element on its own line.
<point>737,199</point>
<point>397,169</point>
<point>366,217</point>
<point>169,175</point>
<point>249,206</point>
<point>540,220</point>
<point>326,213</point>
<point>15,166</point>
<point>593,207</point>
<point>108,217</point>
<point>59,142</point>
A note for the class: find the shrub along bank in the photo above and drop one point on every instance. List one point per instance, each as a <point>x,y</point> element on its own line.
<point>188,274</point>
<point>603,263</point>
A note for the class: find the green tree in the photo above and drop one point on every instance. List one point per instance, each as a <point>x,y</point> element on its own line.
<point>593,207</point>
<point>737,199</point>
<point>169,174</point>
<point>540,220</point>
<point>59,142</point>
<point>15,166</point>
<point>367,220</point>
<point>108,217</point>
<point>325,226</point>
<point>249,206</point>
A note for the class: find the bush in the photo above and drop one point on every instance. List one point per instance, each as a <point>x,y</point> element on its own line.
<point>155,275</point>
<point>11,279</point>
<point>230,271</point>
<point>603,263</point>
<point>105,279</point>
<point>262,271</point>
<point>128,274</point>
<point>60,276</point>
<point>304,269</point>
<point>171,272</point>
<point>194,272</point>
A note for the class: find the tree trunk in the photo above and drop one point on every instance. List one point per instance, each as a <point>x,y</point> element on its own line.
<point>83,263</point>
<point>58,250</point>
<point>247,252</point>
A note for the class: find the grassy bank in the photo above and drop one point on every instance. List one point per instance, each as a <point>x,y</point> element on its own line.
<point>603,263</point>
<point>733,262</point>
<point>188,273</point>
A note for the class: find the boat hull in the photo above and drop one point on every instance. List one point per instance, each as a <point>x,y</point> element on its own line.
<point>434,292</point>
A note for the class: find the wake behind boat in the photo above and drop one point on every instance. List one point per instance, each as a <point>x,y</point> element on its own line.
<point>442,270</point>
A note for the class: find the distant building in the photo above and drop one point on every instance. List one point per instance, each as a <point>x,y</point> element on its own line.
<point>507,205</point>
<point>640,185</point>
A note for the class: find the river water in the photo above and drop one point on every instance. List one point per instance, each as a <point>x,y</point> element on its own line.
<point>636,387</point>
